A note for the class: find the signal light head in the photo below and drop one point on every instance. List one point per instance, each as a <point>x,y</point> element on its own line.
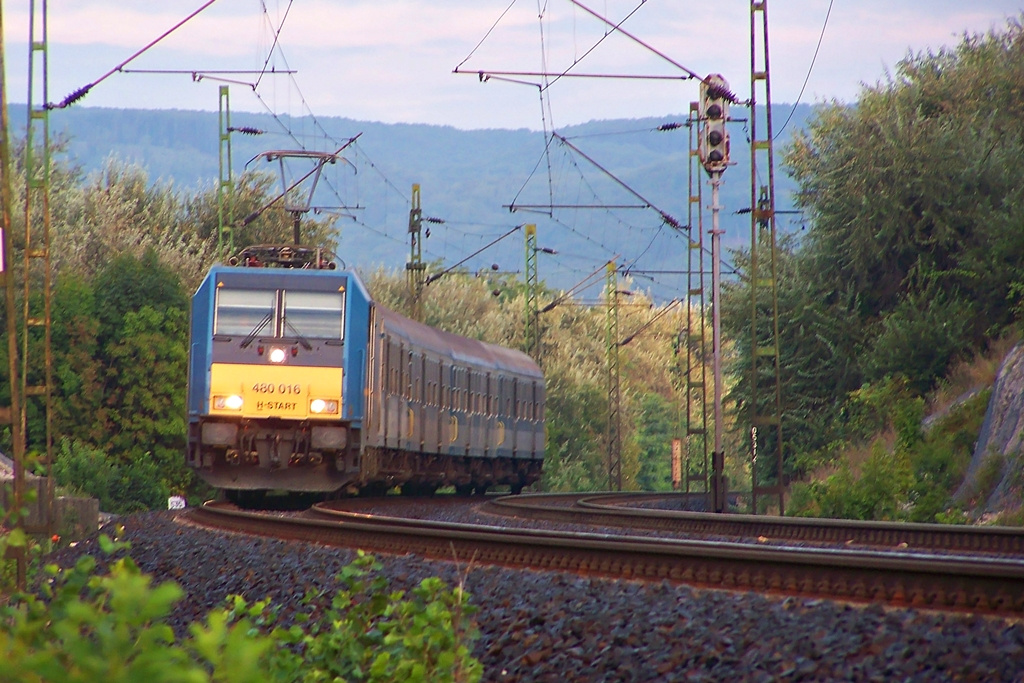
<point>714,115</point>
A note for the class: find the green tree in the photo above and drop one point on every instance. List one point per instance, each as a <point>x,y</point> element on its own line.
<point>127,283</point>
<point>79,366</point>
<point>120,357</point>
<point>146,393</point>
<point>914,206</point>
<point>653,436</point>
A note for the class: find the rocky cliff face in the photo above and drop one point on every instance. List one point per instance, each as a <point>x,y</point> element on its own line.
<point>995,477</point>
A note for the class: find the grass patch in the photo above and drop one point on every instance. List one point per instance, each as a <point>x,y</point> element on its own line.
<point>971,375</point>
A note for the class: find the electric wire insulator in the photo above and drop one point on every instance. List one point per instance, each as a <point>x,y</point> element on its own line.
<point>715,92</point>
<point>72,98</point>
<point>672,222</point>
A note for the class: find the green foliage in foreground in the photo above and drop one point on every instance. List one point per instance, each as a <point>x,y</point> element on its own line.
<point>88,626</point>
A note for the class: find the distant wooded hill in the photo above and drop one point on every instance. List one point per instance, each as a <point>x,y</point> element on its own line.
<point>468,178</point>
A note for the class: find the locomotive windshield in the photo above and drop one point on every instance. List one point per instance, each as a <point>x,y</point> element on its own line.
<point>241,311</point>
<point>316,315</point>
<point>279,313</point>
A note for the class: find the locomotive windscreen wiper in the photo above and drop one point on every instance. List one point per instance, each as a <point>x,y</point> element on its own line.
<point>256,330</point>
<point>302,340</point>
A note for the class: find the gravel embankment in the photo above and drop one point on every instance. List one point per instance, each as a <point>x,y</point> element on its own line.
<point>549,626</point>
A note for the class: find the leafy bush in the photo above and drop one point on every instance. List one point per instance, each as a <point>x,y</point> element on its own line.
<point>915,478</point>
<point>90,627</point>
<point>120,487</point>
<point>941,458</point>
<point>920,338</point>
<point>368,634</point>
<point>86,626</point>
<point>877,492</point>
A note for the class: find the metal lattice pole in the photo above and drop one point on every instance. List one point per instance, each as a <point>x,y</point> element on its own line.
<point>614,427</point>
<point>37,354</point>
<point>695,378</point>
<point>531,321</point>
<point>225,186</point>
<point>415,267</point>
<point>765,364</point>
<point>10,414</point>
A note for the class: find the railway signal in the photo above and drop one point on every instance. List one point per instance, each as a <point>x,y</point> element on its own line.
<point>713,149</point>
<point>714,112</point>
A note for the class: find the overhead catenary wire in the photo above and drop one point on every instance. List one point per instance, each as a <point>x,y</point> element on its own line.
<point>548,78</point>
<point>356,149</point>
<point>548,210</point>
<point>486,35</point>
<point>810,68</point>
<point>593,47</point>
<point>665,309</point>
<point>490,244</point>
<point>618,28</point>
<point>582,285</point>
<point>672,222</point>
<point>84,90</point>
<point>277,37</point>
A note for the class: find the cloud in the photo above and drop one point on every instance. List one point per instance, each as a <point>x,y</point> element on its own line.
<point>392,60</point>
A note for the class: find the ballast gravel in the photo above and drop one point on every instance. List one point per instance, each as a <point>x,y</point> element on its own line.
<point>551,626</point>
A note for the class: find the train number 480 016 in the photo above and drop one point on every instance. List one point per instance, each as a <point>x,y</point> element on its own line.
<point>271,388</point>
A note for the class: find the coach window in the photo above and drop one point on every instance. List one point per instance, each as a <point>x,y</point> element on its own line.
<point>408,376</point>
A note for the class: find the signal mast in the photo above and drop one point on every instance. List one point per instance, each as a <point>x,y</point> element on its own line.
<point>713,148</point>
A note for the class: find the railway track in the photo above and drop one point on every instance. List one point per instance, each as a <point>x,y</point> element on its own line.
<point>901,574</point>
<point>629,510</point>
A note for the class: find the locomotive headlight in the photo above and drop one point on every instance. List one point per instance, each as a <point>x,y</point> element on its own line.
<point>322,407</point>
<point>277,355</point>
<point>232,402</point>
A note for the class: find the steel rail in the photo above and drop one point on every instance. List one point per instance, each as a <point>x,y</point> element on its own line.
<point>612,509</point>
<point>985,584</point>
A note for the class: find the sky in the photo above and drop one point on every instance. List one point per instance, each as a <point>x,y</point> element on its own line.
<point>393,60</point>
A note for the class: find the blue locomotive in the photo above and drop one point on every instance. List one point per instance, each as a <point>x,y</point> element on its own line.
<point>299,381</point>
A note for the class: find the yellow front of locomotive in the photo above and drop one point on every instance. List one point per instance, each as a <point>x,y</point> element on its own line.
<point>275,390</point>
